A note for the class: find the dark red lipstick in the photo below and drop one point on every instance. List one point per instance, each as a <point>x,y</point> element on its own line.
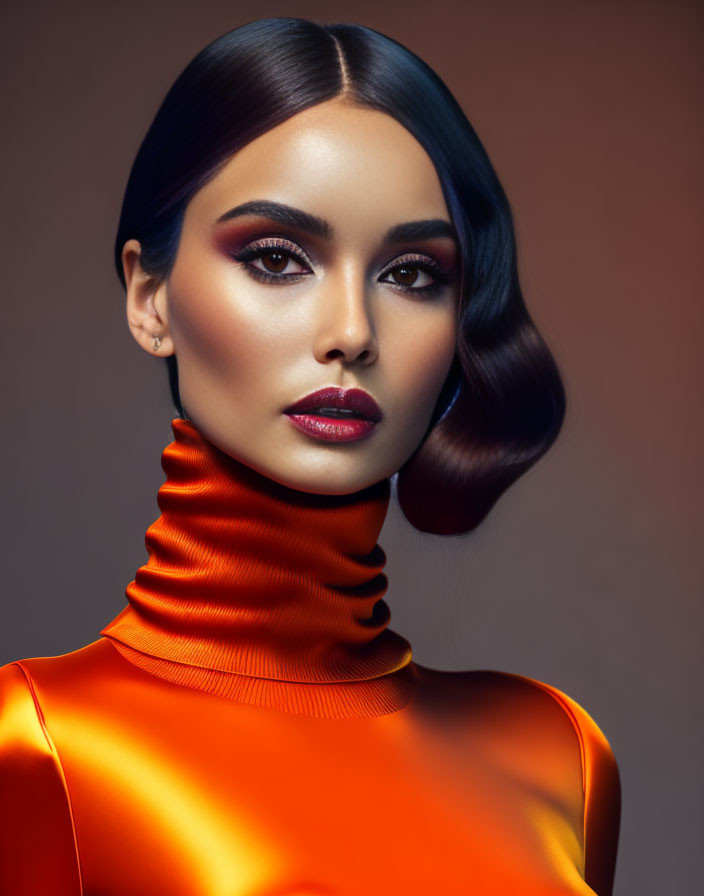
<point>336,415</point>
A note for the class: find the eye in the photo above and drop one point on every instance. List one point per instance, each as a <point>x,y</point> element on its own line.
<point>277,261</point>
<point>411,275</point>
<point>274,260</point>
<point>417,273</point>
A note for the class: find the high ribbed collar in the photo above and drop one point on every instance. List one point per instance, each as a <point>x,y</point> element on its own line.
<point>264,594</point>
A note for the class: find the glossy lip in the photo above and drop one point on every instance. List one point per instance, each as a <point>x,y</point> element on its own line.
<point>334,397</point>
<point>335,429</point>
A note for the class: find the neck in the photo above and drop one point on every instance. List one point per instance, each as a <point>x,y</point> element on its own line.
<point>264,594</point>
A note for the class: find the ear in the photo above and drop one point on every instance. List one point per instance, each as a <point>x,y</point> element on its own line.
<point>147,310</point>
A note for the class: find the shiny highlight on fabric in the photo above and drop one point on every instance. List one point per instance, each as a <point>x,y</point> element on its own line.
<point>264,594</point>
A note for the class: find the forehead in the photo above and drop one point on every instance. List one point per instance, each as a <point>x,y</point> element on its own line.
<point>358,168</point>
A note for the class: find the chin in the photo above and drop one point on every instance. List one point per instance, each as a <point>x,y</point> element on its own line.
<point>319,482</point>
<point>329,475</point>
<point>317,468</point>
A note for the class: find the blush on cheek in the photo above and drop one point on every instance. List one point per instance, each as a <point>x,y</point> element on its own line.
<point>422,382</point>
<point>200,340</point>
<point>205,317</point>
<point>432,362</point>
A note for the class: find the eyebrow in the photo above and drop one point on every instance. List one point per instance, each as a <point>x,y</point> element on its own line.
<point>287,214</point>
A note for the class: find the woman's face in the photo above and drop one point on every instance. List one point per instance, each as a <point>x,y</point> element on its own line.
<point>320,257</point>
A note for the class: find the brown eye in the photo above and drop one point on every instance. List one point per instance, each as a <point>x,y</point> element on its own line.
<point>275,262</point>
<point>415,276</point>
<point>405,274</point>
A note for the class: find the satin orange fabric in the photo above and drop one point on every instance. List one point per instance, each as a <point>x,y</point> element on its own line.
<point>211,742</point>
<point>263,593</point>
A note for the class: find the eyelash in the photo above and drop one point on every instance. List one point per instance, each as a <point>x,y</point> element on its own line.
<point>256,249</point>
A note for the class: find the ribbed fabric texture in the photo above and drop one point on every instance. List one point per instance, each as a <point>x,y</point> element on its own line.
<point>264,594</point>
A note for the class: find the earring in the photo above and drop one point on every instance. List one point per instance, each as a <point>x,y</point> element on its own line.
<point>156,342</point>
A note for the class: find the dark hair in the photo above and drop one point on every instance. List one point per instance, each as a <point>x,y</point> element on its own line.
<point>503,403</point>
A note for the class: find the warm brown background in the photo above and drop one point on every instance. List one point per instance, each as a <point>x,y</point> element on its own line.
<point>585,575</point>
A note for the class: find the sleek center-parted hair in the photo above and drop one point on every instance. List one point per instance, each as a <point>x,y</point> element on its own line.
<point>503,403</point>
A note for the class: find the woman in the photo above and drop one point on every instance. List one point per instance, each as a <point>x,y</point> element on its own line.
<point>314,239</point>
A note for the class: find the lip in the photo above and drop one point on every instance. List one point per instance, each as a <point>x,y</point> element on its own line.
<point>356,400</point>
<point>306,414</point>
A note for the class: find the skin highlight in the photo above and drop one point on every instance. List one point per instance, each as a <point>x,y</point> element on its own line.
<point>291,275</point>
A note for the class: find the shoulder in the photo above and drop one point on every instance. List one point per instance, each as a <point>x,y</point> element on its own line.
<point>595,750</point>
<point>514,725</point>
<point>600,780</point>
<point>545,738</point>
<point>600,773</point>
<point>52,679</point>
<point>21,718</point>
<point>510,709</point>
<point>35,805</point>
<point>41,696</point>
<point>602,795</point>
<point>23,728</point>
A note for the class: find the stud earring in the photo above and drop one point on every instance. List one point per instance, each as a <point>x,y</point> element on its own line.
<point>156,342</point>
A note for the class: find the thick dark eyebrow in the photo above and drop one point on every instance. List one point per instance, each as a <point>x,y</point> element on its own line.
<point>420,230</point>
<point>284,214</point>
<point>287,214</point>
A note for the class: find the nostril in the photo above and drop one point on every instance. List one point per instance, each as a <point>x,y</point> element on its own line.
<point>352,354</point>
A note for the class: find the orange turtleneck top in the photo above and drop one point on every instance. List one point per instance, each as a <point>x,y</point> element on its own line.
<point>249,725</point>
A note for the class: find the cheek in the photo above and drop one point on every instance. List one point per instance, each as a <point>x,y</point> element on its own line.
<point>223,330</point>
<point>420,380</point>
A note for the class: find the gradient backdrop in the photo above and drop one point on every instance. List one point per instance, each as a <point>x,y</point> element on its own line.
<point>586,574</point>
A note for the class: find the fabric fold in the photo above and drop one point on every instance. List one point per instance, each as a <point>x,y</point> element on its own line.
<point>260,592</point>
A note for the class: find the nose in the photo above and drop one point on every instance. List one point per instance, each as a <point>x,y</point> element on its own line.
<point>345,328</point>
